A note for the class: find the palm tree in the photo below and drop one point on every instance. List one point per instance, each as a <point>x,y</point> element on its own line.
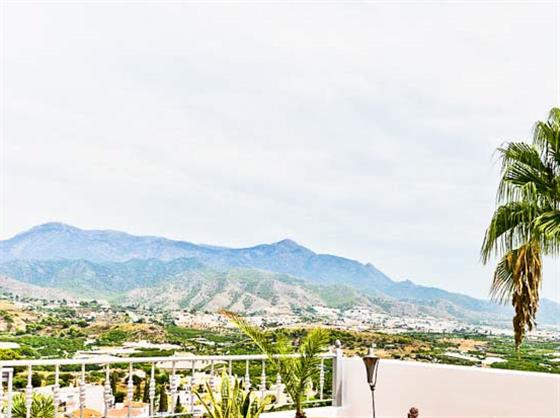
<point>526,223</point>
<point>296,371</point>
<point>42,406</point>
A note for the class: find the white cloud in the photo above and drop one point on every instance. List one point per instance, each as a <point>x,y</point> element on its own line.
<point>361,129</point>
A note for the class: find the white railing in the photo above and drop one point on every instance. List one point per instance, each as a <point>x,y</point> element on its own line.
<point>94,382</point>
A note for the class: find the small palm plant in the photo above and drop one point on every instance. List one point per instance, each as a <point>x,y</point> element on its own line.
<point>233,401</point>
<point>296,371</point>
<point>42,406</point>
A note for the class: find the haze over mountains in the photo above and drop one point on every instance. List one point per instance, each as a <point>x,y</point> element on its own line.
<point>281,277</point>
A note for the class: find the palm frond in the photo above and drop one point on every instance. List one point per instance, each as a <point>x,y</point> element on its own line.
<point>510,227</point>
<point>253,332</point>
<point>524,175</point>
<point>233,401</point>
<point>548,225</point>
<point>42,406</point>
<point>546,136</point>
<point>295,371</point>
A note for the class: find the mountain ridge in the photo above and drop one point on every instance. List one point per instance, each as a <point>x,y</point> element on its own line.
<point>108,262</point>
<point>58,241</point>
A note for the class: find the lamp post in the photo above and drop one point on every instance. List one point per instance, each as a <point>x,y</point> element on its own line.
<point>371,362</point>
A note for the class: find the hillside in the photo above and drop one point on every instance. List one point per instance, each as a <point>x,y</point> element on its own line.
<point>279,277</point>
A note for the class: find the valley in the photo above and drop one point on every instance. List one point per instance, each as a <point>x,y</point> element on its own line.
<point>34,328</point>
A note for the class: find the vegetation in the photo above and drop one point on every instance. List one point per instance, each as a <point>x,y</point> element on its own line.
<point>42,406</point>
<point>233,401</point>
<point>296,371</point>
<point>108,326</point>
<point>163,401</point>
<point>41,346</point>
<point>526,224</point>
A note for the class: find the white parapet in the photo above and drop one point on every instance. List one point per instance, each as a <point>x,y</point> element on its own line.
<point>440,391</point>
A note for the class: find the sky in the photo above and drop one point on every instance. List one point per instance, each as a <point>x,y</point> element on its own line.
<point>365,130</point>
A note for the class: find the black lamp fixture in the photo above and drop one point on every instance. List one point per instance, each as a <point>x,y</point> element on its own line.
<point>371,362</point>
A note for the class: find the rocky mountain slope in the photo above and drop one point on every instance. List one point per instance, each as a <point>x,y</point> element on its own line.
<point>54,241</point>
<point>279,277</point>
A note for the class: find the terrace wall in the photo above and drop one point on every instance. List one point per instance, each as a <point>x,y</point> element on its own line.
<point>440,391</point>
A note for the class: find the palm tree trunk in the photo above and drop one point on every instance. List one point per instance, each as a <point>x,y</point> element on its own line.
<point>299,409</point>
<point>300,413</point>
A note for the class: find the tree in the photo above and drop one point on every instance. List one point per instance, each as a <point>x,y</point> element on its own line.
<point>119,396</point>
<point>137,395</point>
<point>113,379</point>
<point>146,394</point>
<point>526,223</point>
<point>163,404</point>
<point>42,406</point>
<point>296,371</point>
<point>178,406</point>
<point>36,380</point>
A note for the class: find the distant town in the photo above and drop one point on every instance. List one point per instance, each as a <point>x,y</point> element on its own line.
<point>87,329</point>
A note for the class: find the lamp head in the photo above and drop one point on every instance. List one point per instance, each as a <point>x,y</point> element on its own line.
<point>371,361</point>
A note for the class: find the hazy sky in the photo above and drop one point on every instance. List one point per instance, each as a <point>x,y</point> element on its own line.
<point>365,130</point>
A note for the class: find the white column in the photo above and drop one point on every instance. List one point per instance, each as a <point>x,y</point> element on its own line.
<point>173,387</point>
<point>321,378</point>
<point>107,391</point>
<point>212,378</point>
<point>29,393</point>
<point>82,391</point>
<point>247,377</point>
<point>152,390</point>
<point>192,396</point>
<point>263,379</point>
<point>130,389</point>
<point>10,393</point>
<point>56,390</point>
<point>278,388</point>
<point>1,392</point>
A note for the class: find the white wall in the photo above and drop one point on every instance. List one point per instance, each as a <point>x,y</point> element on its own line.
<point>448,391</point>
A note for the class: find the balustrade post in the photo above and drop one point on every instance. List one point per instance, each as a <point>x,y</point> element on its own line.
<point>107,391</point>
<point>192,396</point>
<point>321,378</point>
<point>130,389</point>
<point>56,390</point>
<point>263,379</point>
<point>1,392</point>
<point>10,387</point>
<point>212,378</point>
<point>152,390</point>
<point>247,377</point>
<point>6,394</point>
<point>230,372</point>
<point>188,394</point>
<point>173,387</point>
<point>278,388</point>
<point>29,393</point>
<point>82,391</point>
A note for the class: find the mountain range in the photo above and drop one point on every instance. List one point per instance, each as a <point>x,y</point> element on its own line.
<point>282,277</point>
